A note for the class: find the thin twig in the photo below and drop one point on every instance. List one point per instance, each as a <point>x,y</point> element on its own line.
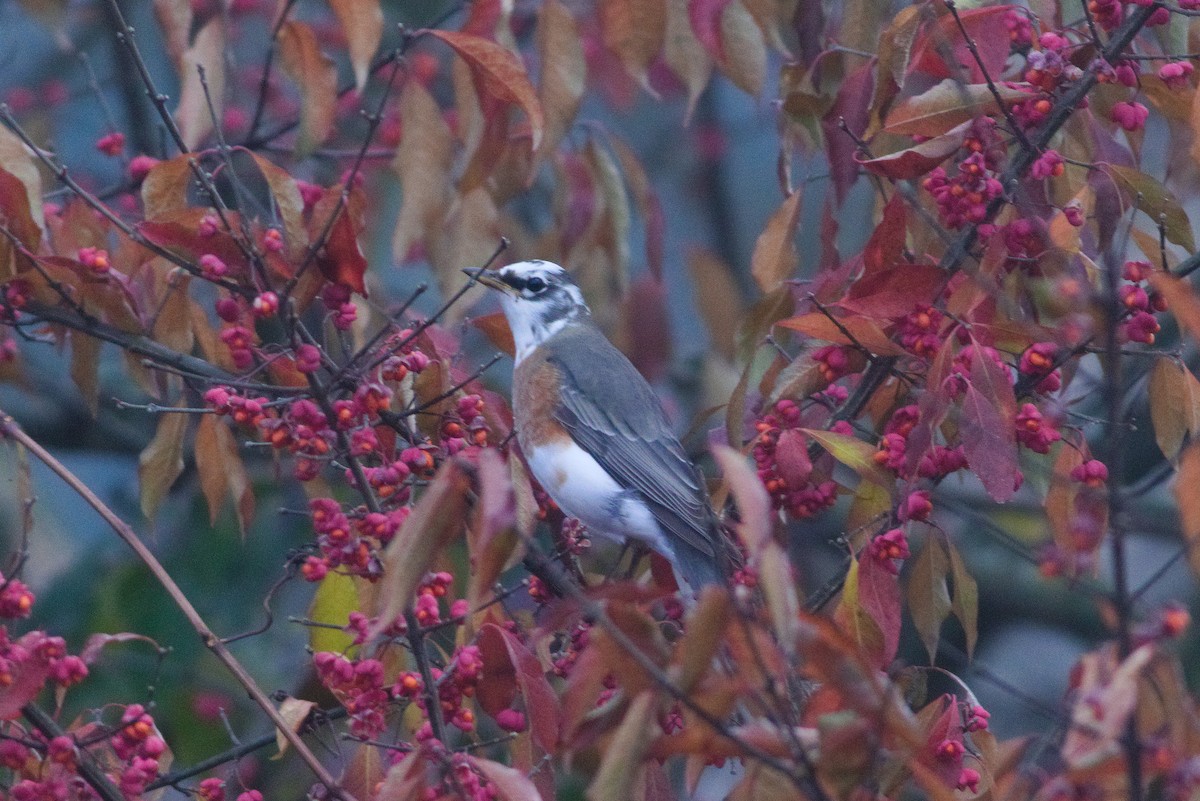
<point>10,429</point>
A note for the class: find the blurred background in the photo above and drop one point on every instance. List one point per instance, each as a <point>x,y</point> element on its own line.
<point>70,83</point>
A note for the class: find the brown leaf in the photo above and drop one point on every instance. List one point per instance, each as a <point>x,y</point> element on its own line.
<point>1189,502</point>
<point>775,257</point>
<point>316,75</point>
<point>755,525</point>
<point>294,712</point>
<point>702,637</point>
<point>15,213</point>
<point>1106,695</point>
<point>222,472</point>
<point>614,778</point>
<point>717,297</point>
<point>685,55</point>
<point>513,669</point>
<point>1174,395</point>
<point>207,51</point>
<point>499,74</point>
<point>633,30</point>
<point>744,48</point>
<point>161,462</point>
<point>468,235</point>
<point>436,520</point>
<point>492,541</point>
<point>25,220</point>
<point>945,106</point>
<point>564,71</point>
<point>1181,300</point>
<point>173,322</point>
<point>422,164</point>
<point>362,24</point>
<point>648,204</point>
<point>85,360</point>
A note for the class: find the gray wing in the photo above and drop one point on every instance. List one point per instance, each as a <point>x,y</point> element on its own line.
<point>631,439</point>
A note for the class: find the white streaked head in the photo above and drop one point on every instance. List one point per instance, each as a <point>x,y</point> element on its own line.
<point>538,298</point>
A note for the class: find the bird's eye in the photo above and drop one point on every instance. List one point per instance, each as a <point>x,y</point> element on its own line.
<point>535,284</point>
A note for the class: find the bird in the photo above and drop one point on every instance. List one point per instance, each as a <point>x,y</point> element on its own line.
<point>594,433</point>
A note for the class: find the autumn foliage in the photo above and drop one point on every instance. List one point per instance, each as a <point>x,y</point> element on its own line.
<point>1016,319</point>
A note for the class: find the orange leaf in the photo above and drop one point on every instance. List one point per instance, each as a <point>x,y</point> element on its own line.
<point>633,30</point>
<point>858,331</point>
<point>316,75</point>
<point>221,470</point>
<point>362,24</point>
<point>1174,405</point>
<point>499,74</point>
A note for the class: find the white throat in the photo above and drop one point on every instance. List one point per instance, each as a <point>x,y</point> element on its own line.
<point>529,324</point>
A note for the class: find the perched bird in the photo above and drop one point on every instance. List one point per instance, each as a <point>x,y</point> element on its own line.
<point>594,433</point>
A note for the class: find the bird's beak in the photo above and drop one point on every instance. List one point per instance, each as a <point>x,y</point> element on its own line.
<point>488,279</point>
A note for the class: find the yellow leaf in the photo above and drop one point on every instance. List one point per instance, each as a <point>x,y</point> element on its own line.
<point>1189,502</point>
<point>775,256</point>
<point>615,777</point>
<point>1174,405</point>
<point>685,55</point>
<point>744,47</point>
<point>564,71</point>
<point>422,164</point>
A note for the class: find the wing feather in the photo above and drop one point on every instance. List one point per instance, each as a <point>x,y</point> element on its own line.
<point>631,439</point>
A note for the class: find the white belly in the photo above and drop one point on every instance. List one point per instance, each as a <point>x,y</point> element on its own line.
<point>584,489</point>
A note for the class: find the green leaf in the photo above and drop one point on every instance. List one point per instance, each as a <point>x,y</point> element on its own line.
<point>928,595</point>
<point>965,599</point>
<point>1156,202</point>
<point>852,452</point>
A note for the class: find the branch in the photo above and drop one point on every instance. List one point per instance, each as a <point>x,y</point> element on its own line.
<point>10,429</point>
<point>89,769</point>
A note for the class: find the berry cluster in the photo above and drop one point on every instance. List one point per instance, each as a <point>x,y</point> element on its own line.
<point>359,686</point>
<point>780,454</point>
<point>1139,305</point>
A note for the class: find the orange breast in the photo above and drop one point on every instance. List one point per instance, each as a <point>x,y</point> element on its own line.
<point>535,399</point>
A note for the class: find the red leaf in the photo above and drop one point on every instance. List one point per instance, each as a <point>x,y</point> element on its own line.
<point>791,458</point>
<point>706,23</point>
<point>341,260</point>
<point>510,668</point>
<point>28,676</point>
<point>879,596</point>
<point>498,74</point>
<point>988,436</point>
<point>894,291</point>
<point>849,108</point>
<point>915,161</point>
<point>986,26</point>
<point>886,244</point>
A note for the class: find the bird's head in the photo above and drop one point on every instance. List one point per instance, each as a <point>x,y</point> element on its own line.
<point>538,298</point>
